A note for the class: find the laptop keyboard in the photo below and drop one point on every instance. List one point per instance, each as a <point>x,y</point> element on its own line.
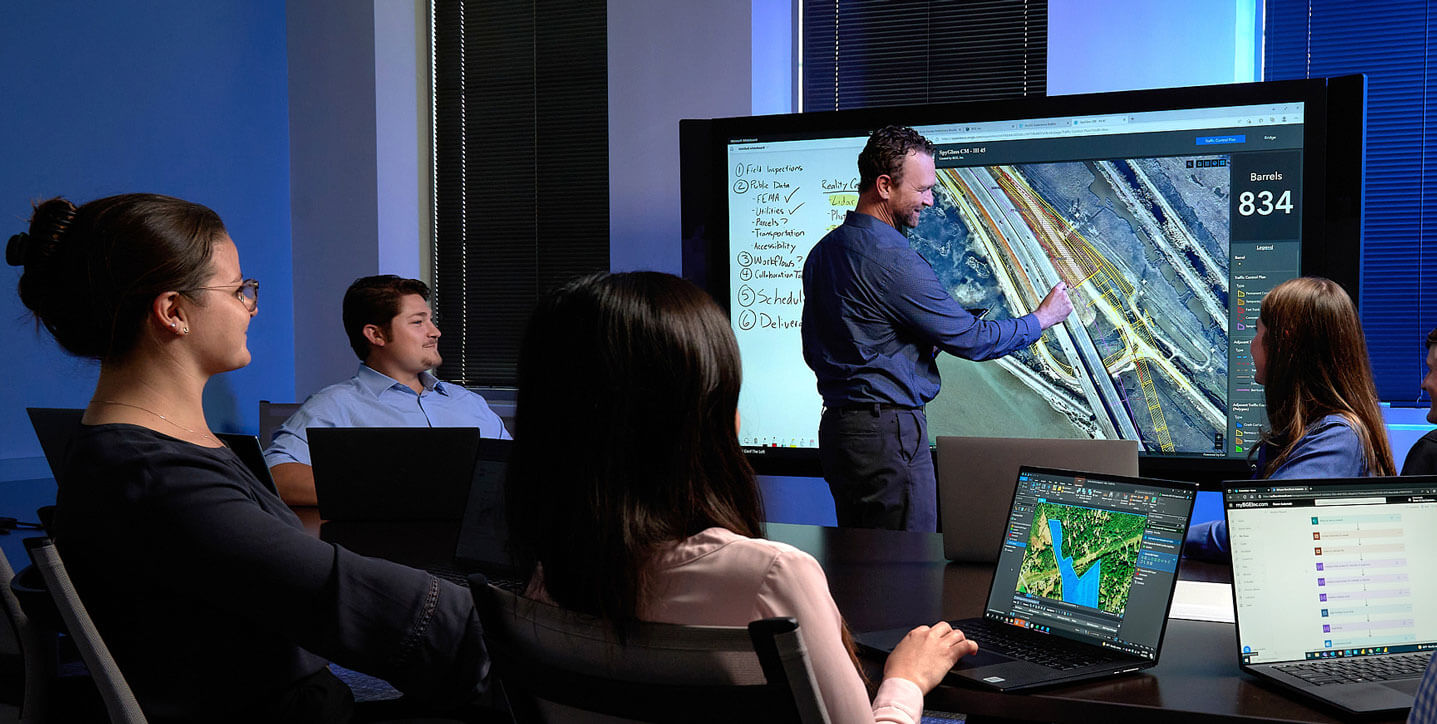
<point>1054,652</point>
<point>1358,670</point>
<point>461,577</point>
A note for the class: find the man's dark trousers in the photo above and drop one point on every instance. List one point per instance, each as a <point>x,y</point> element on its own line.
<point>878,466</point>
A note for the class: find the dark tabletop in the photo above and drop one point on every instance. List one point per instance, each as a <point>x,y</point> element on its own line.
<point>888,579</point>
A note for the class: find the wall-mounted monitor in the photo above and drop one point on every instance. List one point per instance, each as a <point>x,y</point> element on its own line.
<point>1169,213</point>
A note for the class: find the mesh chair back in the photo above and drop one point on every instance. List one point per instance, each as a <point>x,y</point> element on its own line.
<point>556,665</point>
<point>34,705</point>
<point>119,700</point>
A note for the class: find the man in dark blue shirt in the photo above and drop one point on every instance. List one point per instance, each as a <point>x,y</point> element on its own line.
<point>874,318</point>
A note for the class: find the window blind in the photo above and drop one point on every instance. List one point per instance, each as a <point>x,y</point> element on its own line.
<point>521,169</point>
<point>1390,41</point>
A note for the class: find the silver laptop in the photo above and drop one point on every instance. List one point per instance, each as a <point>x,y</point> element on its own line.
<point>976,477</point>
<point>1335,586</point>
<point>1083,584</point>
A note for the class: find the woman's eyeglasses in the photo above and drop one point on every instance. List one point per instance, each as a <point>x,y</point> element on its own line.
<point>247,293</point>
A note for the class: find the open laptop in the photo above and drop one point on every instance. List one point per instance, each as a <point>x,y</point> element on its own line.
<point>976,477</point>
<point>1083,583</point>
<point>54,428</point>
<point>1335,586</point>
<point>392,473</point>
<point>483,542</point>
<point>247,449</point>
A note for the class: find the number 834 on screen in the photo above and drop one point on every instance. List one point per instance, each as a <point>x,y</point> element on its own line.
<point>1264,203</point>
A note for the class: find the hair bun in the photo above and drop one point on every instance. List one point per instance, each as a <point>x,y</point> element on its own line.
<point>17,248</point>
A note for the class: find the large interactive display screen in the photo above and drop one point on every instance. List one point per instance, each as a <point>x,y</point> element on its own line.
<point>1168,214</point>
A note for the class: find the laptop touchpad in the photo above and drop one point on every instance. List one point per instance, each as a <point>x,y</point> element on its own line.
<point>1406,686</point>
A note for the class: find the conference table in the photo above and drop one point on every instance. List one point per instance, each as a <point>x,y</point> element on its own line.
<point>891,579</point>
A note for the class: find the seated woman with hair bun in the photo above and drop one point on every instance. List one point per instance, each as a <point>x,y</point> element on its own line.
<point>652,512</point>
<point>1324,420</point>
<point>213,600</point>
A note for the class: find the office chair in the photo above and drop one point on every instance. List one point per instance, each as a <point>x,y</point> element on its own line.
<point>271,416</point>
<point>557,665</point>
<point>119,700</point>
<point>34,704</point>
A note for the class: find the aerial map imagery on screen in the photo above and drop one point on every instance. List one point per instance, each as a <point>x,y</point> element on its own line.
<point>1144,246</point>
<point>1082,556</point>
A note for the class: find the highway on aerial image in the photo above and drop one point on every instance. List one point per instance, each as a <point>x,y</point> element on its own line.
<point>1144,356</point>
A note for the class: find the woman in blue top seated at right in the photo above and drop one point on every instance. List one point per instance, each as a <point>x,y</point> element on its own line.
<point>1323,416</point>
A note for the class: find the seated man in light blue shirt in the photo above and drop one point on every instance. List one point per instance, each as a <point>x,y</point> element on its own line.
<point>392,331</point>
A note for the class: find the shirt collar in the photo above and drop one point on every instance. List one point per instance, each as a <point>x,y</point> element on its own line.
<point>877,226</point>
<point>375,382</point>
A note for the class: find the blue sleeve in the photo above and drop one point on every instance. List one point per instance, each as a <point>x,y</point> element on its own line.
<point>489,422</point>
<point>920,303</point>
<point>1424,707</point>
<point>1207,541</point>
<point>291,442</point>
<point>1330,450</point>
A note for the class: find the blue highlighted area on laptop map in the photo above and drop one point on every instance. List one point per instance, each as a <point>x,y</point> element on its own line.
<point>1083,556</point>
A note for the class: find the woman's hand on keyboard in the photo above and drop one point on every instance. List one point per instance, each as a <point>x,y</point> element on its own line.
<point>927,653</point>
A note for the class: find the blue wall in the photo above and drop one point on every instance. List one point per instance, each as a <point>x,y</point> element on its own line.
<point>179,98</point>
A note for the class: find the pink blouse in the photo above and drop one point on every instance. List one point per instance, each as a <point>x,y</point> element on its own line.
<point>720,578</point>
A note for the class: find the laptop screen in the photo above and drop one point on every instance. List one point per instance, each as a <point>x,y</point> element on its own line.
<point>1091,557</point>
<point>1334,568</point>
<point>484,533</point>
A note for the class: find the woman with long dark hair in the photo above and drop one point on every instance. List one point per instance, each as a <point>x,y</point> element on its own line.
<point>1324,420</point>
<point>213,600</point>
<point>630,499</point>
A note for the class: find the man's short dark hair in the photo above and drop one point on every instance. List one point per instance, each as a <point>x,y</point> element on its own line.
<point>884,154</point>
<point>375,300</point>
<point>1432,338</point>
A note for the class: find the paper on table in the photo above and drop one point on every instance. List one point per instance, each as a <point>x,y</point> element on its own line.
<point>1202,601</point>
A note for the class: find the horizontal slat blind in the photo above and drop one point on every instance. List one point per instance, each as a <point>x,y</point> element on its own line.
<point>1390,42</point>
<point>521,107</point>
<point>868,53</point>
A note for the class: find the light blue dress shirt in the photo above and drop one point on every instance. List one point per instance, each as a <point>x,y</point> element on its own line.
<point>373,399</point>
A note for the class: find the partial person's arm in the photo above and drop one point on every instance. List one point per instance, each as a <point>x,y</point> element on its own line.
<point>1330,450</point>
<point>417,632</point>
<point>295,483</point>
<point>288,453</point>
<point>1424,705</point>
<point>920,303</point>
<point>796,586</point>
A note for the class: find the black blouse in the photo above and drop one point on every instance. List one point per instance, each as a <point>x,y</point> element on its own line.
<point>214,600</point>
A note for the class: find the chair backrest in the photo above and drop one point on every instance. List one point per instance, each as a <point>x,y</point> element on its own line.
<point>271,416</point>
<point>119,700</point>
<point>55,427</point>
<point>556,665</point>
<point>34,705</point>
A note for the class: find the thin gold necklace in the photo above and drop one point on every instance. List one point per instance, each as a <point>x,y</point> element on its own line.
<point>190,430</point>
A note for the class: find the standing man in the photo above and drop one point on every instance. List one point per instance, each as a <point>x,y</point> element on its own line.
<point>392,331</point>
<point>874,318</point>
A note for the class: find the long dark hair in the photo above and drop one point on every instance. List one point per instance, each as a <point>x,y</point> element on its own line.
<point>625,436</point>
<point>1317,366</point>
<point>92,271</point>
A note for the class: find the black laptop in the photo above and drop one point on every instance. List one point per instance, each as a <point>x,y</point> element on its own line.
<point>1083,582</point>
<point>483,542</point>
<point>247,449</point>
<point>392,473</point>
<point>1335,586</point>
